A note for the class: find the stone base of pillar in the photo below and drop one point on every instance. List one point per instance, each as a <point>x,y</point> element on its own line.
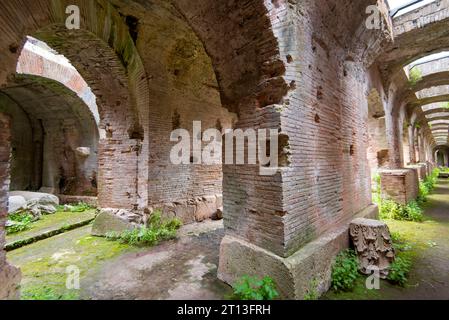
<point>400,185</point>
<point>422,170</point>
<point>430,168</point>
<point>9,282</point>
<point>308,269</point>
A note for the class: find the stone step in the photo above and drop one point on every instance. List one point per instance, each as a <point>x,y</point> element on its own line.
<point>21,239</point>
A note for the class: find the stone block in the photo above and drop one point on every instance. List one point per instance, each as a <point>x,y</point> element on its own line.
<point>10,278</point>
<point>15,203</point>
<point>41,197</point>
<point>421,169</point>
<point>205,208</point>
<point>109,220</point>
<point>295,274</point>
<point>193,210</point>
<point>400,185</point>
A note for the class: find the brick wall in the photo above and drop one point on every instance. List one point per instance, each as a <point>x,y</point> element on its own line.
<point>49,124</point>
<point>9,276</point>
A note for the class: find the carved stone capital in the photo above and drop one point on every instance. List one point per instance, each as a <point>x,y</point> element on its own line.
<point>373,245</point>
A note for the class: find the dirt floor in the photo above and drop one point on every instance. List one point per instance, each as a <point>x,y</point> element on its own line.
<point>183,269</point>
<point>180,269</point>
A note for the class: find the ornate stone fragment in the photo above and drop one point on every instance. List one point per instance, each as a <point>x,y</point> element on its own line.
<point>373,245</point>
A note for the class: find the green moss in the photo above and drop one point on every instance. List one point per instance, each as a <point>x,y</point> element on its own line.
<point>51,222</point>
<point>359,292</point>
<point>44,264</point>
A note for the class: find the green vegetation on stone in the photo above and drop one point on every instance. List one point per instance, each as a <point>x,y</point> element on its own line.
<point>394,211</point>
<point>415,76</point>
<point>417,243</point>
<point>78,207</point>
<point>391,210</point>
<point>252,288</point>
<point>157,230</point>
<point>352,284</point>
<point>18,222</point>
<point>24,221</point>
<point>312,292</point>
<point>48,293</point>
<point>399,270</point>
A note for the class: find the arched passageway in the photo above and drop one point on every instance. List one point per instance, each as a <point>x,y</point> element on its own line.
<point>54,138</point>
<point>346,101</point>
<point>106,53</point>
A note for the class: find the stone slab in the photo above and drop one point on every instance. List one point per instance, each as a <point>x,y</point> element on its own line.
<point>107,221</point>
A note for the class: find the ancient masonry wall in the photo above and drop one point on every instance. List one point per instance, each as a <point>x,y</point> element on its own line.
<point>9,275</point>
<point>326,121</point>
<point>183,89</point>
<point>21,143</point>
<point>49,124</point>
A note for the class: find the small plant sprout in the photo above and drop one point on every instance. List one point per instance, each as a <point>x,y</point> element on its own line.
<point>415,76</point>
<point>345,271</point>
<point>253,288</point>
<point>158,230</point>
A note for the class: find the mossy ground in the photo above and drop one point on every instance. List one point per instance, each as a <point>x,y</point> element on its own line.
<point>43,264</point>
<point>429,241</point>
<point>50,222</point>
<point>178,269</point>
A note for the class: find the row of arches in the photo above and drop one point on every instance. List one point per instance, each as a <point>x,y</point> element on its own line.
<point>177,52</point>
<point>414,83</point>
<point>334,90</point>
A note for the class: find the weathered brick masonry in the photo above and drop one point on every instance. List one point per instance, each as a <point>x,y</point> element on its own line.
<point>9,275</point>
<point>334,90</point>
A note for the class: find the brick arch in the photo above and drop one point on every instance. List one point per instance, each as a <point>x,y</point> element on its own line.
<point>106,28</point>
<point>418,33</point>
<point>49,123</point>
<point>106,32</point>
<point>242,41</point>
<point>254,70</point>
<point>101,68</point>
<point>248,68</point>
<point>255,63</point>
<point>34,64</point>
<point>432,80</point>
<point>403,99</point>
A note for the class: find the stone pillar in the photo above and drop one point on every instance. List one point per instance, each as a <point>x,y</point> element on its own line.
<point>421,148</point>
<point>446,159</point>
<point>406,147</point>
<point>9,275</point>
<point>412,150</point>
<point>394,137</point>
<point>400,185</point>
<point>292,225</point>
